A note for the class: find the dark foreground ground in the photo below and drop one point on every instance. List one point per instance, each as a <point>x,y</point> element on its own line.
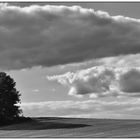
<point>72,127</point>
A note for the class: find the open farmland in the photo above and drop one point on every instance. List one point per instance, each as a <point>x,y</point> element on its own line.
<point>72,127</point>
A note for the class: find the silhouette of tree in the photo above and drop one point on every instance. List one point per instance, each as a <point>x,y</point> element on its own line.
<point>9,97</point>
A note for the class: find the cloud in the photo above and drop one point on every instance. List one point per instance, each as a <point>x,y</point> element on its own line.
<point>57,108</point>
<point>120,108</point>
<point>130,81</point>
<point>35,90</point>
<point>101,81</point>
<point>55,35</point>
<point>131,60</point>
<point>91,83</point>
<point>96,81</point>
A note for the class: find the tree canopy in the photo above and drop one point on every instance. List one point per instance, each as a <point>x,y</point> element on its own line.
<point>9,97</point>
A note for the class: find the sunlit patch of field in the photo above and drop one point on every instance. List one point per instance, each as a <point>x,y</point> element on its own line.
<point>72,127</point>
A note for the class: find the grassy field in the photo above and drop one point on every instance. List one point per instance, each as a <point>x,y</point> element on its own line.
<point>72,127</point>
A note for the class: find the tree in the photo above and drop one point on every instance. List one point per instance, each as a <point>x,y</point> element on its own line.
<point>9,97</point>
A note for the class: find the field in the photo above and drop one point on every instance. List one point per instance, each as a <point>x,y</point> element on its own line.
<point>72,127</point>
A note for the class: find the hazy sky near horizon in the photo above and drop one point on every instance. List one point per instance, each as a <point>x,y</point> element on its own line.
<point>73,59</point>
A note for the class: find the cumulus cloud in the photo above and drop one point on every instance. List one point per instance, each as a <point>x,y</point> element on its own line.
<point>130,81</point>
<point>102,81</point>
<point>120,108</point>
<point>52,35</point>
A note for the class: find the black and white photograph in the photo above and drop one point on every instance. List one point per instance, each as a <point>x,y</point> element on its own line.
<point>69,69</point>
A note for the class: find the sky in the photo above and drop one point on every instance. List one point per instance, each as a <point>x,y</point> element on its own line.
<point>73,59</point>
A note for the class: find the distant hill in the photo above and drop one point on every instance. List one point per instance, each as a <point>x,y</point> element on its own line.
<point>72,127</point>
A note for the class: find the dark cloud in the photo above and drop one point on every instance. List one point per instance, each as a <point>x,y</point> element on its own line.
<point>52,35</point>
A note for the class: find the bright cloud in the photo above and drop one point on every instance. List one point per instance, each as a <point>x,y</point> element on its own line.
<point>52,35</point>
<point>102,81</point>
<point>120,108</point>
